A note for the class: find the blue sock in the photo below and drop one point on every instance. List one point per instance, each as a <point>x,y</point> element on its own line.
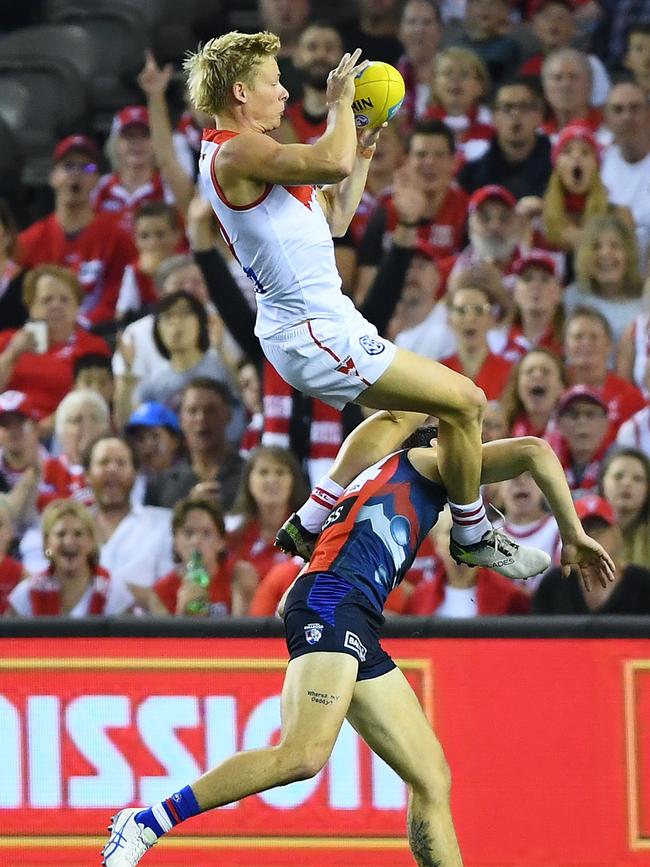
<point>164,815</point>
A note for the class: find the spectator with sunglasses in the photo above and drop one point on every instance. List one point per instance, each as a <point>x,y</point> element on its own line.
<point>92,245</point>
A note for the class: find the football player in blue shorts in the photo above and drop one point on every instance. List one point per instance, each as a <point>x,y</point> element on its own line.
<point>338,669</point>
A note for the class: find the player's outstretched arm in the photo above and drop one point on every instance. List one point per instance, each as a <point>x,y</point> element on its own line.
<point>330,159</point>
<point>506,459</point>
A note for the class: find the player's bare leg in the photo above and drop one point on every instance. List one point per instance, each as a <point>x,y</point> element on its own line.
<point>388,716</point>
<point>316,695</point>
<point>317,691</point>
<point>418,384</point>
<point>411,389</point>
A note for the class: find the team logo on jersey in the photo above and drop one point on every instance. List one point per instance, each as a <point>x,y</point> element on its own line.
<point>370,345</point>
<point>353,642</point>
<point>313,632</point>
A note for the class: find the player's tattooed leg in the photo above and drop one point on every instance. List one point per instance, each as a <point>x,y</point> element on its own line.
<point>421,842</point>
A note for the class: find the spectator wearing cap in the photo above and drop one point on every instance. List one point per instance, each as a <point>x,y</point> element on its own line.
<point>73,583</point>
<point>625,484</point>
<point>626,162</point>
<point>135,178</point>
<point>21,455</point>
<point>421,289</point>
<point>212,466</point>
<point>91,245</point>
<point>155,435</point>
<point>519,156</point>
<point>628,594</point>
<point>567,80</point>
<point>607,272</point>
<point>583,425</point>
<point>554,25</point>
<point>52,295</point>
<point>539,314</point>
<point>424,197</point>
<point>587,352</point>
<point>472,311</point>
<point>495,231</point>
<point>576,193</point>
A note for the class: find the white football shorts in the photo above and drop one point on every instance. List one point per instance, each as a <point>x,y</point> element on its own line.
<point>331,360</point>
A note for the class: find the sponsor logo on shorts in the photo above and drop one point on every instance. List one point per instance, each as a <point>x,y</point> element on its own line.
<point>313,632</point>
<point>370,345</point>
<point>353,642</point>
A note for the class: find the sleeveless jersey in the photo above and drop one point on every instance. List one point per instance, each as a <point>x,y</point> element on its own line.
<point>283,243</point>
<point>373,533</point>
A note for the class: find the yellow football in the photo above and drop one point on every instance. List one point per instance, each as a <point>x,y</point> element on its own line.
<point>379,92</point>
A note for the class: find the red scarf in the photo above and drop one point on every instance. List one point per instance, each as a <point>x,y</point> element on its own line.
<point>45,593</point>
<point>575,202</point>
<point>326,428</point>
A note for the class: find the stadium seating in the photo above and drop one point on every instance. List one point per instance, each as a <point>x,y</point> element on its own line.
<point>54,65</point>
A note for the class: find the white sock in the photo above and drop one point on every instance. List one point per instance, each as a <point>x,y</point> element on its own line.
<point>322,500</point>
<point>470,522</point>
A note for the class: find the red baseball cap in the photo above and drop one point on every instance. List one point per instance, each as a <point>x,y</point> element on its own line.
<point>17,403</point>
<point>580,392</point>
<point>575,132</point>
<point>593,506</point>
<point>537,258</point>
<point>132,115</point>
<point>75,143</point>
<point>491,191</point>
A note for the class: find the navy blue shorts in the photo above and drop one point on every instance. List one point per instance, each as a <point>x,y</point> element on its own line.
<point>325,613</point>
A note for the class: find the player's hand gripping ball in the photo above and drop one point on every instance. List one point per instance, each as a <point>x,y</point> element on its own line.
<point>378,93</point>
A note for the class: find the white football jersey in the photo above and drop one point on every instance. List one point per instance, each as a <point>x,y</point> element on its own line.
<point>283,243</point>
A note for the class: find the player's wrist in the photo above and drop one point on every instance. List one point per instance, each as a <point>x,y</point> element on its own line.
<point>366,152</point>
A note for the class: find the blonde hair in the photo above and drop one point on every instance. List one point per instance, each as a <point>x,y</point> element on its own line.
<point>74,400</point>
<point>467,57</point>
<point>58,509</point>
<point>584,260</point>
<point>555,215</point>
<point>64,275</point>
<point>214,68</point>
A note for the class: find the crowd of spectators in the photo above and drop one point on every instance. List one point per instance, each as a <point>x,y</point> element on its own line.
<point>504,231</point>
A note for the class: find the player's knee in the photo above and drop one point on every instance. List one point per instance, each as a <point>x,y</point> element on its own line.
<point>470,407</point>
<point>433,783</point>
<point>305,761</point>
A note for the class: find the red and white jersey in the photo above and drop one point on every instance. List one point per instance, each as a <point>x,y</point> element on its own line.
<point>62,479</point>
<point>283,243</point>
<point>112,197</point>
<point>641,337</point>
<point>635,432</point>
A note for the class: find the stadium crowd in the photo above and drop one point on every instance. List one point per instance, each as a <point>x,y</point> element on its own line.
<point>504,230</point>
